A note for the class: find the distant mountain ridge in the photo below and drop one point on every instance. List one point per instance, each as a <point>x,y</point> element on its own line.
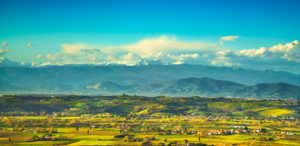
<point>163,79</point>
<point>217,88</point>
<point>188,87</point>
<point>271,90</point>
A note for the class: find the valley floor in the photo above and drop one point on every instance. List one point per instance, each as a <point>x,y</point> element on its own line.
<point>110,131</point>
<point>132,120</point>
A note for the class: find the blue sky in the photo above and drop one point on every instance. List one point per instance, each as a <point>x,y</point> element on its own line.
<point>49,26</point>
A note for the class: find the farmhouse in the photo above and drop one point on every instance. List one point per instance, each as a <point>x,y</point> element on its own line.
<point>240,127</point>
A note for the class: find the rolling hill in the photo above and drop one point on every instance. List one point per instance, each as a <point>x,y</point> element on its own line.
<point>217,88</point>
<point>188,87</point>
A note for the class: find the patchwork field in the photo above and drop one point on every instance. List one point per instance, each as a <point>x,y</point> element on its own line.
<point>133,120</point>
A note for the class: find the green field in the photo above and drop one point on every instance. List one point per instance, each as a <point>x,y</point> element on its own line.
<point>133,120</point>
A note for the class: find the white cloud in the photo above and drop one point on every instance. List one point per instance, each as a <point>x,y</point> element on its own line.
<point>4,43</point>
<point>148,47</point>
<point>183,57</point>
<point>29,44</point>
<point>178,62</point>
<point>284,57</point>
<point>289,51</point>
<point>51,56</point>
<point>45,63</point>
<point>284,48</point>
<point>222,60</point>
<point>213,62</point>
<point>229,38</point>
<point>169,50</point>
<point>38,56</point>
<point>73,48</point>
<point>227,64</point>
<point>252,52</point>
<point>2,52</point>
<point>96,86</point>
<point>223,53</point>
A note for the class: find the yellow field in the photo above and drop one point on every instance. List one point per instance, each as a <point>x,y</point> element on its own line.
<point>275,112</point>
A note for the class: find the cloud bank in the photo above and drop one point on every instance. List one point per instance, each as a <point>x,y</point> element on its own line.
<point>279,57</point>
<point>170,50</point>
<point>165,49</point>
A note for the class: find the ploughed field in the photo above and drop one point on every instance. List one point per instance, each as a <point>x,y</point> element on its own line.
<point>135,120</point>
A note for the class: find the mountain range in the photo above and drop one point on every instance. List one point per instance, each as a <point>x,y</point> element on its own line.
<point>206,87</point>
<point>150,80</point>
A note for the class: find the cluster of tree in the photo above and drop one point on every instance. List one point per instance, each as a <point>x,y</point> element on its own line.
<point>136,106</point>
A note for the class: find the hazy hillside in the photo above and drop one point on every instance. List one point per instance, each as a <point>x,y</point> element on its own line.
<point>158,79</point>
<point>189,87</point>
<point>275,90</point>
<point>217,88</point>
